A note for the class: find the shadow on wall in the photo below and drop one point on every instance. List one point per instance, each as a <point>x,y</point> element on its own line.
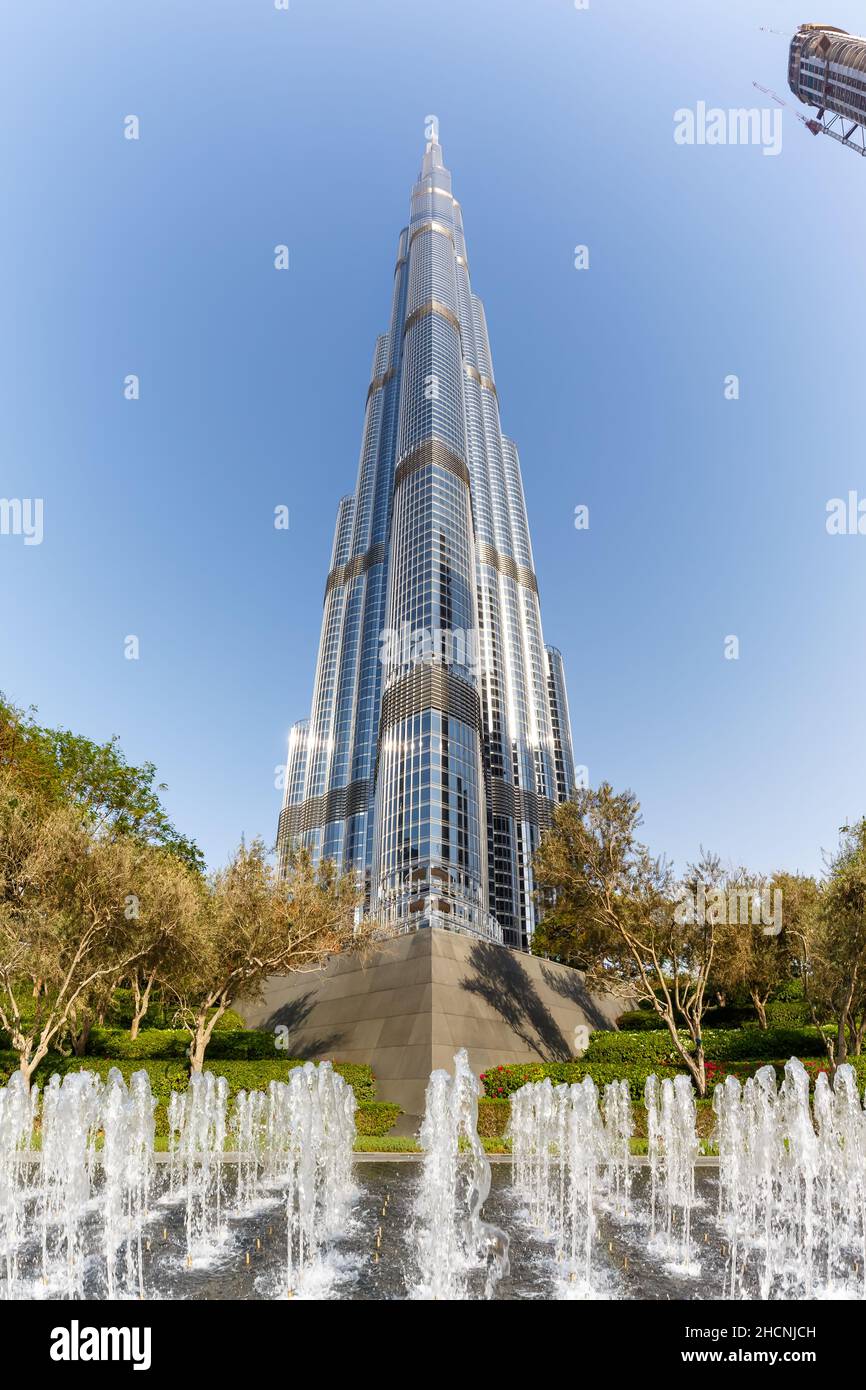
<point>292,1016</point>
<point>572,988</point>
<point>501,981</point>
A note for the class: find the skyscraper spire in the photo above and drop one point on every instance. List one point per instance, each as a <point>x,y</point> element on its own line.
<point>438,740</point>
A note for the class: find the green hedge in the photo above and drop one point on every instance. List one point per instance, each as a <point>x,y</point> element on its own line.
<point>234,1044</point>
<point>501,1082</point>
<point>720,1044</point>
<point>172,1074</point>
<point>788,1013</point>
<point>165,1076</point>
<point>638,1021</point>
<point>375,1117</point>
<point>255,1076</point>
<point>732,1016</point>
<point>241,1076</point>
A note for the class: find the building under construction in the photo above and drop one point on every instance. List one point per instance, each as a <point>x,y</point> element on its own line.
<point>827,70</point>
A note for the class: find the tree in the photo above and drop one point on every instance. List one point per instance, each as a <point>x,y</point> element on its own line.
<point>62,768</point>
<point>610,907</point>
<point>63,924</point>
<point>253,924</point>
<point>170,900</point>
<point>830,925</point>
<point>752,953</point>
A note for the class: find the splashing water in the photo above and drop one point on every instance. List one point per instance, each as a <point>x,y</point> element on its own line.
<point>17,1113</point>
<point>792,1184</point>
<point>567,1161</point>
<point>450,1239</point>
<point>314,1113</point>
<point>200,1115</point>
<point>75,1208</point>
<point>673,1147</point>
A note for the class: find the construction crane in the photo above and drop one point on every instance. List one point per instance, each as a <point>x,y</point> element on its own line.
<point>814,125</point>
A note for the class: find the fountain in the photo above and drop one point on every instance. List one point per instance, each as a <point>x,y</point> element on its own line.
<point>199,1128</point>
<point>618,1131</point>
<point>258,1197</point>
<point>315,1115</point>
<point>567,1160</point>
<point>450,1238</point>
<point>76,1206</point>
<point>672,1146</point>
<point>792,1184</point>
<point>16,1137</point>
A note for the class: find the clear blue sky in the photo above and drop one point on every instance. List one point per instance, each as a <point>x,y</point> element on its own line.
<point>707,517</point>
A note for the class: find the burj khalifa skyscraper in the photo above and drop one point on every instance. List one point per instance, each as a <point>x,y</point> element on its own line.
<point>439,738</point>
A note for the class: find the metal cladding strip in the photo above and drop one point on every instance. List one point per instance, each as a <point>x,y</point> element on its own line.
<point>379,381</point>
<point>483,381</point>
<point>431,453</point>
<point>433,306</point>
<point>359,564</point>
<point>487,555</point>
<point>519,803</point>
<point>337,804</point>
<point>429,687</point>
<point>432,226</point>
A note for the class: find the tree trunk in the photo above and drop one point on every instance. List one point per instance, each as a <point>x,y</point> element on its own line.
<point>700,1070</point>
<point>142,1002</point>
<point>28,1059</point>
<point>694,1060</point>
<point>81,1039</point>
<point>760,1010</point>
<point>26,1069</point>
<point>204,1027</point>
<point>198,1046</point>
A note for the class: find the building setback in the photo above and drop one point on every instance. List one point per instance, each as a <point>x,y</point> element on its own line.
<point>439,735</point>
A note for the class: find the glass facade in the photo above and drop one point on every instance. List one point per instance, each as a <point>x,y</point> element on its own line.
<point>439,736</point>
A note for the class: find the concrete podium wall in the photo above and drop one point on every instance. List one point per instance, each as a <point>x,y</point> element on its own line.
<point>407,1004</point>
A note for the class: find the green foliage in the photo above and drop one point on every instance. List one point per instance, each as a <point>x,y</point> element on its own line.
<point>638,1021</point>
<point>62,767</point>
<point>256,1075</point>
<point>387,1144</point>
<point>501,1082</point>
<point>754,1044</point>
<point>731,1016</point>
<point>121,1010</point>
<point>231,1023</point>
<point>232,1044</point>
<point>375,1117</point>
<point>788,1010</point>
<point>788,1013</point>
<point>720,1044</point>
